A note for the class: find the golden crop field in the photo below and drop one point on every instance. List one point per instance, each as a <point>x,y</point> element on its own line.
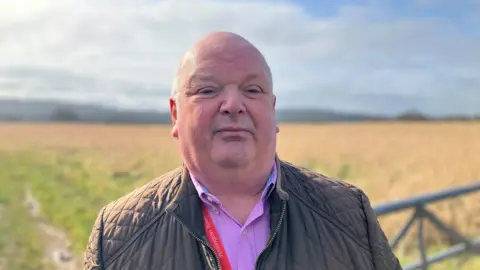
<point>73,170</point>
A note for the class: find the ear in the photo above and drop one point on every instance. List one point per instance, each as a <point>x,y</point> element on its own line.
<point>173,117</point>
<point>277,129</point>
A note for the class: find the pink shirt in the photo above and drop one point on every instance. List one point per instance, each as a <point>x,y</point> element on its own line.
<point>242,243</point>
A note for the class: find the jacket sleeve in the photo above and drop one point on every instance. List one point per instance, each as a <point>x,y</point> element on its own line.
<point>93,254</point>
<point>382,253</point>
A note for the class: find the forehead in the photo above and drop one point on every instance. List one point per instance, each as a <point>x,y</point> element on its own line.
<point>232,65</point>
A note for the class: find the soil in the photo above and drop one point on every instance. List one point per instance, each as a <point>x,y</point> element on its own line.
<point>57,246</point>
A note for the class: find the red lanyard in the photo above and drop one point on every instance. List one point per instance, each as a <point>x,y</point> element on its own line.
<point>215,241</point>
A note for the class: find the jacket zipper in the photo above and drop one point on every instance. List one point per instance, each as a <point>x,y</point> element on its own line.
<point>284,207</point>
<point>261,253</point>
<point>201,241</point>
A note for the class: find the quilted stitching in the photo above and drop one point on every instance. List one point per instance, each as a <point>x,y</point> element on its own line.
<point>125,216</point>
<point>350,207</point>
<point>337,199</point>
<point>383,255</point>
<point>92,258</point>
<point>130,213</point>
<point>344,204</point>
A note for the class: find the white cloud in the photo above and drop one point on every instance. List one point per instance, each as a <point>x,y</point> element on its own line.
<point>125,53</point>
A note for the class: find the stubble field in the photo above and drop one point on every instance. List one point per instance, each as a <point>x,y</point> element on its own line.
<point>55,178</point>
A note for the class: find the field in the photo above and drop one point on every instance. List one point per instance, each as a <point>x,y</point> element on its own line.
<point>55,178</point>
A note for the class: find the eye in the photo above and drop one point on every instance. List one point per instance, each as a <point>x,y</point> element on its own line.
<point>253,90</point>
<point>206,91</point>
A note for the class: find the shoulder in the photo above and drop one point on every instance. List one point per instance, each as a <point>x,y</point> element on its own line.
<point>122,219</point>
<point>320,188</point>
<point>144,201</point>
<point>343,204</point>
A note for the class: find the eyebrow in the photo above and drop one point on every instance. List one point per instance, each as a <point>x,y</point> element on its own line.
<point>201,77</point>
<point>204,77</point>
<point>251,77</point>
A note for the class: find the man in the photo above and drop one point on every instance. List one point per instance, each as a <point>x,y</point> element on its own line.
<point>234,204</point>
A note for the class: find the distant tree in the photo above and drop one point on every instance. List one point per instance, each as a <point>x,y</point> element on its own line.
<point>13,118</point>
<point>412,115</point>
<point>64,115</point>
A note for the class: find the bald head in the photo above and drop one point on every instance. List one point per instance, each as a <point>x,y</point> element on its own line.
<point>223,46</point>
<point>223,112</point>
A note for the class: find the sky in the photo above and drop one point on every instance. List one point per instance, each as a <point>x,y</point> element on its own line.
<point>372,56</point>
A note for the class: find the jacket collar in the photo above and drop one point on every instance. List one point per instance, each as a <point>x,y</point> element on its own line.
<point>186,205</point>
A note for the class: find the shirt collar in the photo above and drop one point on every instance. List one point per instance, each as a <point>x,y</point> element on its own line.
<point>209,198</point>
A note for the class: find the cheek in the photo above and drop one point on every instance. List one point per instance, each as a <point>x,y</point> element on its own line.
<point>265,125</point>
<point>261,112</point>
<point>200,121</point>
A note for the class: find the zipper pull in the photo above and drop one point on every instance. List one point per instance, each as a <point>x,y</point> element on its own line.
<point>210,259</point>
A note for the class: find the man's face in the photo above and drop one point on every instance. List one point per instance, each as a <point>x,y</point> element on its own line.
<point>224,113</point>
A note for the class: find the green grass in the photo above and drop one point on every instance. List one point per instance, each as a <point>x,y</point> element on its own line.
<point>472,263</point>
<point>19,240</point>
<point>72,186</point>
<point>70,197</point>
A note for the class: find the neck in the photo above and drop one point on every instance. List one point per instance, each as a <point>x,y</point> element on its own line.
<point>235,184</point>
<point>239,193</point>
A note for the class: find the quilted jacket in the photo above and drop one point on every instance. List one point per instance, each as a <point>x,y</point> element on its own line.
<point>316,223</point>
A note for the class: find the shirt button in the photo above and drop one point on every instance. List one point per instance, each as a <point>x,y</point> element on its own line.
<point>244,232</point>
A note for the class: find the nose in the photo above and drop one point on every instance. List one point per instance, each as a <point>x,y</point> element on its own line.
<point>233,102</point>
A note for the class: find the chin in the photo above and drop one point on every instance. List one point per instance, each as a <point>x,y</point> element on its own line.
<point>232,158</point>
<point>232,163</point>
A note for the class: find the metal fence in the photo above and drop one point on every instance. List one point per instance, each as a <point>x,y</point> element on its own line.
<point>420,214</point>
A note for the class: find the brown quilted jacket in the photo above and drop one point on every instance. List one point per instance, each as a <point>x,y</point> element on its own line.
<point>316,223</point>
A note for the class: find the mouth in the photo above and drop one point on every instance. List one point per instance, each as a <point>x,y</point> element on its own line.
<point>233,129</point>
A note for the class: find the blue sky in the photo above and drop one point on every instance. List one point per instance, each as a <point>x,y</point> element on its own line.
<point>376,56</point>
<point>446,9</point>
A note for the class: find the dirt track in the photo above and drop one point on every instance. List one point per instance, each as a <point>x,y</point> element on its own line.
<point>57,246</point>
